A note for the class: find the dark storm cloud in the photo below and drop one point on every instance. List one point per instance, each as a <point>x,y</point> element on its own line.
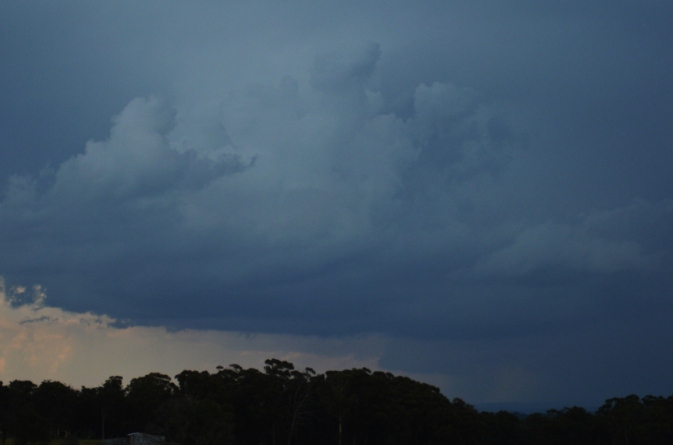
<point>312,199</point>
<point>482,177</point>
<point>328,187</point>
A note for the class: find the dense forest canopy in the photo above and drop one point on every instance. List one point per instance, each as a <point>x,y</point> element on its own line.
<point>283,405</point>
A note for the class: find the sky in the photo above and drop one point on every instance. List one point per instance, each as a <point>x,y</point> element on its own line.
<point>475,194</point>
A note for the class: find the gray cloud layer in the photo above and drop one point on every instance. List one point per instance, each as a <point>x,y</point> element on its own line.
<point>451,177</point>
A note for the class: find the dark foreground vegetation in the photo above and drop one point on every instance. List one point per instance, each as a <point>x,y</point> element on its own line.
<point>281,405</point>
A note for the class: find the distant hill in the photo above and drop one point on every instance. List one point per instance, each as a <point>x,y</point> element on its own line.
<point>526,408</point>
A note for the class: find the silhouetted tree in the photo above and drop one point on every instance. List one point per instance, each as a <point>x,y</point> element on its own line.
<point>111,398</point>
<point>57,404</point>
<point>282,405</point>
<point>145,395</point>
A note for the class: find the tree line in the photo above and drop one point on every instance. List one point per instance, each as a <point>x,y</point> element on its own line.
<point>281,405</point>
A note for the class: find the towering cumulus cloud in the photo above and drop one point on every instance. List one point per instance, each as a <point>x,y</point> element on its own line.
<point>311,193</point>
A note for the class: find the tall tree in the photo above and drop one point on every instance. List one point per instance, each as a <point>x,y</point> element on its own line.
<point>26,424</point>
<point>145,395</point>
<point>199,411</point>
<point>57,404</point>
<point>112,400</point>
